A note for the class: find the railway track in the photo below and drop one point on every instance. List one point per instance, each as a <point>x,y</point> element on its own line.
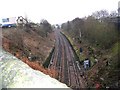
<point>63,61</point>
<point>73,74</point>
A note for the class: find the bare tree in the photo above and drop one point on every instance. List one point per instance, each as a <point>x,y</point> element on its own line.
<point>113,14</point>
<point>46,26</point>
<point>100,14</point>
<point>104,13</point>
<point>96,14</point>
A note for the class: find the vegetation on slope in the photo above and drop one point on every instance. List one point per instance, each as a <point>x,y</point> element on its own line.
<point>97,35</point>
<point>32,46</point>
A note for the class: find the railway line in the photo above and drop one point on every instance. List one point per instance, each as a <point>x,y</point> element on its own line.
<point>63,61</point>
<point>73,74</point>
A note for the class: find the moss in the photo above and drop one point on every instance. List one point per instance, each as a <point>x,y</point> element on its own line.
<point>82,57</point>
<point>92,61</point>
<point>115,48</point>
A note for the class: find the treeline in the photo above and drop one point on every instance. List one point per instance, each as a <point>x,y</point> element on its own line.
<point>42,28</point>
<point>100,28</point>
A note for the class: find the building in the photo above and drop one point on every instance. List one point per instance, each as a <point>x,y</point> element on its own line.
<point>86,63</point>
<point>21,21</point>
<point>8,22</point>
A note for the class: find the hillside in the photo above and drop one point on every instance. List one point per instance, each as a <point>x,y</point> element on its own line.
<point>31,47</point>
<point>96,40</point>
<point>104,71</point>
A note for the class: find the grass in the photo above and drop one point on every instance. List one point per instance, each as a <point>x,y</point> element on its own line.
<point>92,61</point>
<point>82,57</point>
<point>116,48</point>
<point>110,72</point>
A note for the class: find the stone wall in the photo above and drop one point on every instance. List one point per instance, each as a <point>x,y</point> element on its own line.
<point>17,74</point>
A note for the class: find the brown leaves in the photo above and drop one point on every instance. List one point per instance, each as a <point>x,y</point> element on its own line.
<point>39,67</point>
<point>12,45</point>
<point>6,44</point>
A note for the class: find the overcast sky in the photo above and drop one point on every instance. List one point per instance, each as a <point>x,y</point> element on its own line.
<point>55,11</point>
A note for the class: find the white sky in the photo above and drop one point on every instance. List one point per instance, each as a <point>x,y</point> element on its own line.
<point>55,11</point>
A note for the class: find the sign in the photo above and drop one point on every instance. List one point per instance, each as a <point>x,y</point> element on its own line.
<point>86,64</point>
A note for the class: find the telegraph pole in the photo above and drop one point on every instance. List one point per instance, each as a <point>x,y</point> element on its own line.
<point>80,35</point>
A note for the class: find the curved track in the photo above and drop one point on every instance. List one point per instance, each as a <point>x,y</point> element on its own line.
<point>63,61</point>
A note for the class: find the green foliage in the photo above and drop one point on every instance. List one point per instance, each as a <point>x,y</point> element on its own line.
<point>111,73</point>
<point>116,48</point>
<point>41,29</point>
<point>102,32</point>
<point>92,61</point>
<point>82,57</point>
<point>46,26</point>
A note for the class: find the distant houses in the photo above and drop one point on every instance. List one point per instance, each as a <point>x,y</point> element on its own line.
<point>8,22</point>
<point>13,22</point>
<point>21,21</point>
